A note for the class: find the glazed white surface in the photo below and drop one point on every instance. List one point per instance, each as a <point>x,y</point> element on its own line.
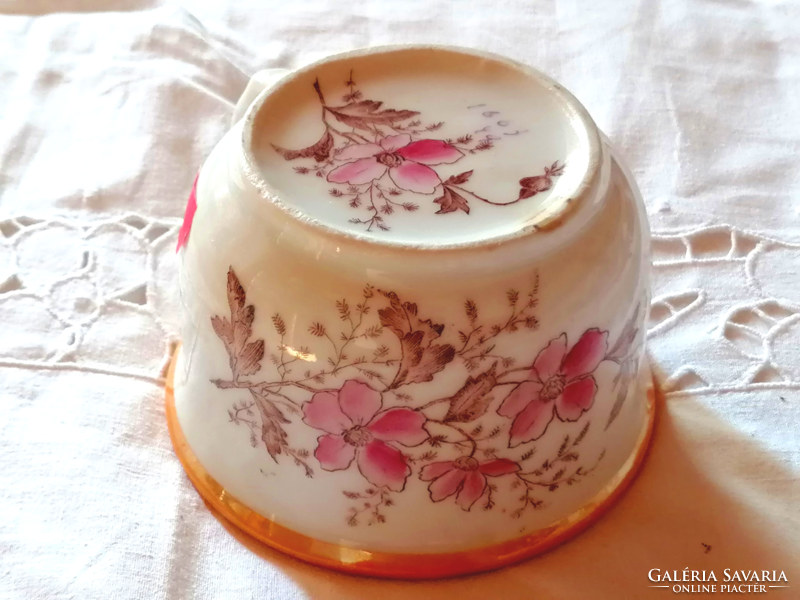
<point>500,123</point>
<point>302,281</point>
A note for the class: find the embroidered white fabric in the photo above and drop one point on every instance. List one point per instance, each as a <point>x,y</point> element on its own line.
<point>106,111</point>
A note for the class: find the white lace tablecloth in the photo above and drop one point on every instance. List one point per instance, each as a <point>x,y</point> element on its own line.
<point>108,108</point>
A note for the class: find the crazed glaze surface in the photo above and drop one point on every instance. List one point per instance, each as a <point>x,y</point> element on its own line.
<point>417,398</point>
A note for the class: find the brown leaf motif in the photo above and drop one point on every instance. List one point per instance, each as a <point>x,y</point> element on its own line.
<point>459,179</point>
<point>624,378</point>
<point>451,201</point>
<point>530,186</point>
<point>244,357</point>
<point>627,337</point>
<point>319,151</point>
<point>366,113</point>
<point>473,399</point>
<point>272,434</point>
<point>420,357</point>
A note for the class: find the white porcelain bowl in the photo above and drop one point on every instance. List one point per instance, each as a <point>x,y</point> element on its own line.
<point>414,290</point>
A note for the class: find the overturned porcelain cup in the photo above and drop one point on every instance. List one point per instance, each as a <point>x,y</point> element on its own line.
<point>414,281</point>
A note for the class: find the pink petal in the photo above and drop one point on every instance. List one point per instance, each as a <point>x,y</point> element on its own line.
<point>188,217</point>
<point>323,412</point>
<point>333,453</point>
<point>430,152</point>
<point>415,178</point>
<point>474,484</point>
<point>501,466</point>
<point>399,425</point>
<point>577,398</point>
<point>358,172</point>
<point>393,142</point>
<point>531,423</point>
<point>519,398</point>
<point>586,354</point>
<point>447,485</point>
<point>359,401</point>
<point>549,360</point>
<point>382,465</point>
<point>434,470</point>
<point>357,151</point>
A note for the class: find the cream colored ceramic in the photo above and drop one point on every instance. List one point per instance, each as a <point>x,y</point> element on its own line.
<point>414,289</point>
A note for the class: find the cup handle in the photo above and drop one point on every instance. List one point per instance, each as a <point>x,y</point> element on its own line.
<point>257,84</point>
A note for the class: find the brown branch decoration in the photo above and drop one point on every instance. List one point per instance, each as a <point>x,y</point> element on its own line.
<point>353,361</point>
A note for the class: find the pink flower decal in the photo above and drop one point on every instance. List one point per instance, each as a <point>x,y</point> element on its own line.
<point>407,162</point>
<point>188,217</point>
<point>464,476</point>
<point>364,142</point>
<point>357,430</point>
<point>373,431</point>
<point>560,384</point>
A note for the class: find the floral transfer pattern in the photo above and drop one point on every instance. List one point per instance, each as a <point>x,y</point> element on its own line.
<point>374,155</point>
<point>358,429</point>
<point>559,384</point>
<point>371,423</point>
